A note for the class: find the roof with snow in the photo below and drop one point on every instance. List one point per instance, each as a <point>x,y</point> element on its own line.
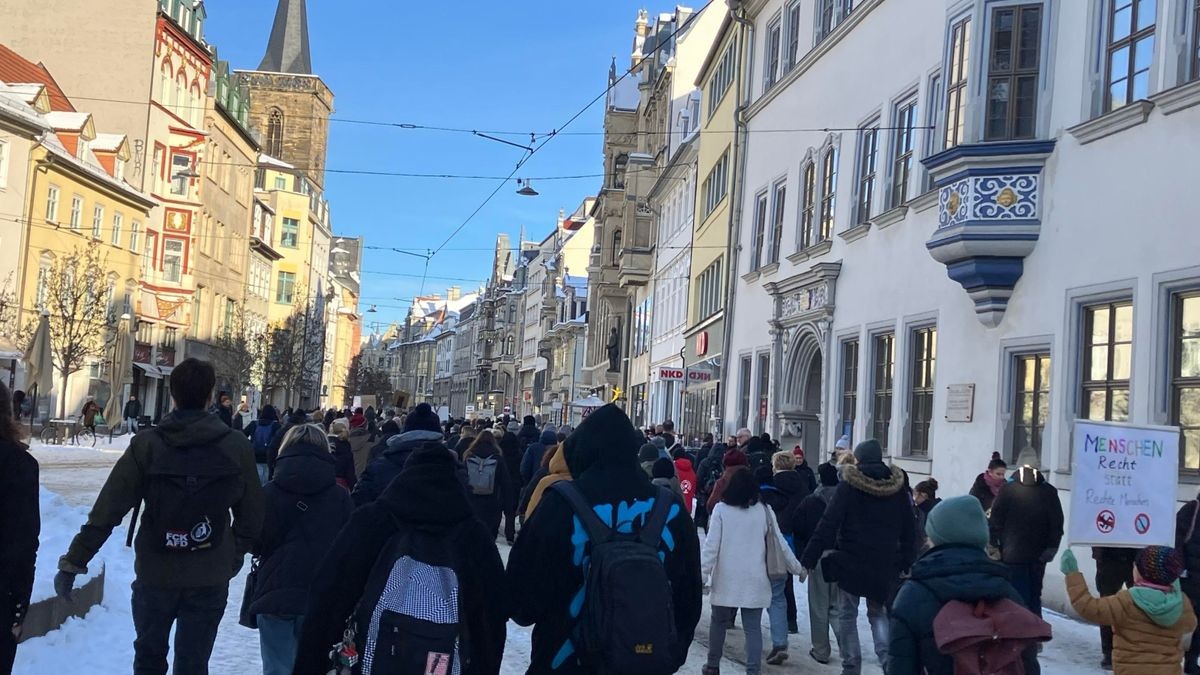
<point>68,121</point>
<point>18,69</point>
<point>108,142</point>
<point>14,107</point>
<point>268,160</point>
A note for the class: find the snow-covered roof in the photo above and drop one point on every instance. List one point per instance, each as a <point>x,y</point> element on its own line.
<point>89,164</point>
<point>26,92</point>
<point>67,121</point>
<point>264,158</point>
<point>108,142</point>
<point>15,107</point>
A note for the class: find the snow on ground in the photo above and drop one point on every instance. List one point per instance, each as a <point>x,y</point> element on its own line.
<point>106,634</point>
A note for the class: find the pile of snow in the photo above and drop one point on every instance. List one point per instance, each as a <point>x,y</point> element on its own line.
<point>60,524</point>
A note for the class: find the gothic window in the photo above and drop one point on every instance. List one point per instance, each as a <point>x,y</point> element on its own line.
<point>275,133</point>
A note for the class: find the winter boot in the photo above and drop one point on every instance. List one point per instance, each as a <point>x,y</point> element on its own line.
<point>710,670</point>
<point>777,656</point>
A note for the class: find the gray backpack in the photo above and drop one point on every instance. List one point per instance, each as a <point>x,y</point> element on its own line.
<point>481,475</point>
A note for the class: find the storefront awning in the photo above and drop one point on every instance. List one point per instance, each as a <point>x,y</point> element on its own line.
<point>149,370</point>
<point>166,370</point>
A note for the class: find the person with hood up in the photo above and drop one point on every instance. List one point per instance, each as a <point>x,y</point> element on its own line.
<point>784,488</point>
<point>20,525</point>
<point>535,451</point>
<point>1027,526</point>
<point>343,455</point>
<point>733,563</point>
<point>870,532</point>
<point>422,430</point>
<point>360,441</point>
<point>987,484</point>
<point>528,432</point>
<point>1148,620</point>
<point>388,429</point>
<point>305,509</point>
<point>489,503</point>
<point>732,460</point>
<point>556,469</point>
<point>182,567</point>
<point>647,456</point>
<point>545,567</point>
<point>262,432</point>
<point>662,474</point>
<point>511,451</point>
<point>822,594</point>
<point>426,497</point>
<point>956,568</point>
<point>687,479</point>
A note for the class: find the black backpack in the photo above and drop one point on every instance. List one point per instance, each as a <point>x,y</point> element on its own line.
<point>189,492</point>
<point>627,624</point>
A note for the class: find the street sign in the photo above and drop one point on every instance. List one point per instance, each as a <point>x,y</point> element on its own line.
<point>470,408</point>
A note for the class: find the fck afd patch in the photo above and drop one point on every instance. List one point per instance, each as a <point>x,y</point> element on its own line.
<point>193,539</point>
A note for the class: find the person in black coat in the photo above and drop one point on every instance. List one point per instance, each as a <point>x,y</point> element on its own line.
<point>1027,526</point>
<point>490,507</point>
<point>871,533</point>
<point>822,595</point>
<point>429,496</point>
<point>343,454</point>
<point>20,525</point>
<point>534,454</point>
<point>707,473</point>
<point>510,449</point>
<point>989,483</point>
<point>386,431</point>
<point>1187,542</point>
<point>528,432</point>
<point>422,430</point>
<point>545,570</point>
<point>305,509</point>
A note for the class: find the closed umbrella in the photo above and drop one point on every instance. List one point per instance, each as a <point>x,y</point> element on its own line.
<point>39,362</point>
<point>122,370</point>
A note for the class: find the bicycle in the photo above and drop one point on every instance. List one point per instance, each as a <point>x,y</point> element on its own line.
<point>67,429</point>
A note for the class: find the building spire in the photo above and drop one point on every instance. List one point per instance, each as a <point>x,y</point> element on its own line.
<point>287,52</point>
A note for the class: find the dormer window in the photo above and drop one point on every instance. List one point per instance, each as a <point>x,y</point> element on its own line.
<point>119,169</point>
<point>82,147</point>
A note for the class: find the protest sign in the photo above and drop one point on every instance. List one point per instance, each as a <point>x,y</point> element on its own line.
<point>1124,484</point>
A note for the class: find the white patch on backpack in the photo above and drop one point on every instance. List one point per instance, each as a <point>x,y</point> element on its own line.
<point>422,591</point>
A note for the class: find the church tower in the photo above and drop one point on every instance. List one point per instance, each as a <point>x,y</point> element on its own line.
<point>290,106</point>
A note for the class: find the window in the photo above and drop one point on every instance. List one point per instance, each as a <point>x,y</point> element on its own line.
<point>158,168</point>
<point>52,204</point>
<point>119,169</point>
<point>868,163</point>
<point>76,212</point>
<point>883,363</point>
<point>920,390</point>
<point>3,163</point>
<point>97,221</point>
<point>173,260</point>
<point>722,78</point>
<point>118,222</point>
<point>135,229</point>
<point>760,231</point>
<point>289,236</point>
<point>709,291</point>
<point>905,119</point>
<point>170,337</point>
<point>1185,376</point>
<point>150,256</point>
<point>1130,51</point>
<point>808,185</point>
<point>280,183</point>
<point>932,115</point>
<point>774,44</point>
<point>716,184</point>
<point>180,166</point>
<point>764,389</point>
<point>826,19</point>
<point>1107,355</point>
<point>1195,49</point>
<point>828,191</point>
<point>1031,401</point>
<point>793,35</point>
<point>956,83</point>
<point>230,312</point>
<point>777,220</point>
<point>274,146</point>
<point>849,386</point>
<point>744,393</point>
<point>45,269</point>
<point>197,307</point>
<point>1013,73</point>
<point>285,289</point>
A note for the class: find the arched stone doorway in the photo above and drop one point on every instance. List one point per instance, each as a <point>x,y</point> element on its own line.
<point>803,383</point>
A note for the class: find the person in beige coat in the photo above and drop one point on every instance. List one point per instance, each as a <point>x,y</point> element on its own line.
<point>1148,620</point>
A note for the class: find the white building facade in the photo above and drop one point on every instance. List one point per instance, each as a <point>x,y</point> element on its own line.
<point>1012,181</point>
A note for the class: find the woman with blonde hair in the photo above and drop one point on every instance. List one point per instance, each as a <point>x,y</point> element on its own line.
<point>343,454</point>
<point>305,509</point>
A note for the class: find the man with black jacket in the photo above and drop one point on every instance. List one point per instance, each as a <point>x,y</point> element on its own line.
<point>422,429</point>
<point>545,570</point>
<point>870,532</point>
<point>20,524</point>
<point>187,549</point>
<point>1187,542</point>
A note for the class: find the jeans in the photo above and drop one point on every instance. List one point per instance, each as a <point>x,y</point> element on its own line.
<point>1027,580</point>
<point>846,629</point>
<point>822,613</point>
<point>264,473</point>
<point>721,621</point>
<point>777,613</point>
<point>278,637</point>
<point>195,613</point>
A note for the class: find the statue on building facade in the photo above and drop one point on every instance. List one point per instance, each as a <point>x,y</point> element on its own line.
<point>614,351</point>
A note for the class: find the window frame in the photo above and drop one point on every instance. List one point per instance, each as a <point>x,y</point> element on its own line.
<point>1014,73</point>
<point>828,182</point>
<point>135,232</point>
<point>118,222</point>
<point>1194,43</point>
<point>97,221</point>
<point>1130,41</point>
<point>293,235</point>
<point>745,382</point>
<point>866,170</point>
<point>759,233</point>
<point>904,150</point>
<point>1177,383</point>
<point>848,374</point>
<point>279,287</point>
<point>76,217</point>
<point>181,186</point>
<point>808,203</point>
<point>53,194</point>
<point>791,15</point>
<point>882,398</point>
<point>1043,389</point>
<point>1109,385</point>
<point>778,215</point>
<point>762,390</point>
<point>167,253</point>
<point>958,62</point>
<point>921,389</point>
<point>772,52</point>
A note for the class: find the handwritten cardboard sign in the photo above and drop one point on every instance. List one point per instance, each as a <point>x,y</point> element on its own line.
<point>1124,484</point>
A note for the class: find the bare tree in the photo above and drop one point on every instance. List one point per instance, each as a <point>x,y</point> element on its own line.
<point>81,320</point>
<point>240,352</point>
<point>362,379</point>
<point>9,307</point>
<point>293,352</point>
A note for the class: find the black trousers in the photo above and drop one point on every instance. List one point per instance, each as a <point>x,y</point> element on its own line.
<point>195,613</point>
<point>789,592</point>
<point>1111,576</point>
<point>1193,652</point>
<point>8,649</point>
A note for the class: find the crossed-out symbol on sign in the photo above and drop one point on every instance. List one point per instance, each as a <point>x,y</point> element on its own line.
<point>1141,523</point>
<point>1105,521</point>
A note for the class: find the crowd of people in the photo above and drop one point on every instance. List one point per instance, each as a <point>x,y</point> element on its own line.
<point>372,540</point>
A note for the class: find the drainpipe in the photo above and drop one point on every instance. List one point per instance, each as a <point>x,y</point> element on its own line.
<point>744,36</point>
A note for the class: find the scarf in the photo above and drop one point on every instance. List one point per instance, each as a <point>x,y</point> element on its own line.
<point>994,484</point>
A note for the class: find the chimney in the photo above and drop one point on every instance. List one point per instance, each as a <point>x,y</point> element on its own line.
<point>453,293</point>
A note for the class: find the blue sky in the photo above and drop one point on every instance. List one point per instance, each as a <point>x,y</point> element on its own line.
<point>523,66</point>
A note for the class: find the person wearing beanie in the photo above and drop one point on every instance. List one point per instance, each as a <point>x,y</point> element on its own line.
<point>647,455</point>
<point>422,431</point>
<point>925,498</point>
<point>802,468</point>
<point>662,474</point>
<point>866,538</point>
<point>528,432</point>
<point>956,568</point>
<point>427,496</point>
<point>546,565</point>
<point>732,460</point>
<point>821,593</point>
<point>1148,620</point>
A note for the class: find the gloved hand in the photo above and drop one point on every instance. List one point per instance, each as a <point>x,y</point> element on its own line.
<point>1047,555</point>
<point>1067,562</point>
<point>64,584</point>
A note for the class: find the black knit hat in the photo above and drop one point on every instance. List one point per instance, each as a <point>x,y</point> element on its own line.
<point>828,473</point>
<point>422,418</point>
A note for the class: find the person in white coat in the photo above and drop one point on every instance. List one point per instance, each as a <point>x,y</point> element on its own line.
<point>733,564</point>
